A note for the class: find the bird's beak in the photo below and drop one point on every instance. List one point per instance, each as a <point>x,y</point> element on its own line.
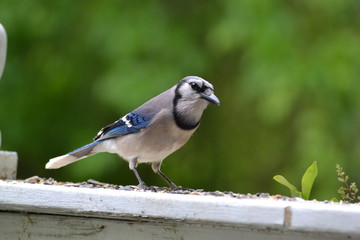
<point>210,98</point>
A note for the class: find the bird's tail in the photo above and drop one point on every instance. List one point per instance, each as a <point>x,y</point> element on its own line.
<point>73,156</point>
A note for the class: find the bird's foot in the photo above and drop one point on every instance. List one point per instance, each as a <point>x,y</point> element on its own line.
<point>145,187</point>
<point>174,187</point>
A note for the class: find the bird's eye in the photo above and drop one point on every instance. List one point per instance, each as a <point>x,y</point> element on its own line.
<point>195,86</point>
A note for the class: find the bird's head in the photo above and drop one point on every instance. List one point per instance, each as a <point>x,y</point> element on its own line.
<point>194,89</point>
<point>192,95</point>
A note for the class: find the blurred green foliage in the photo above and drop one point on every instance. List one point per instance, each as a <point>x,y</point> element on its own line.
<point>286,72</point>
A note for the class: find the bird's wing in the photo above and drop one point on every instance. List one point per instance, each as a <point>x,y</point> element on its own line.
<point>130,123</point>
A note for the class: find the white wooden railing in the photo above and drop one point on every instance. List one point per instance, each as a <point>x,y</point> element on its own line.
<point>38,211</point>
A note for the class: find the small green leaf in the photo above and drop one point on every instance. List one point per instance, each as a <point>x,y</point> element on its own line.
<point>293,190</point>
<point>308,180</point>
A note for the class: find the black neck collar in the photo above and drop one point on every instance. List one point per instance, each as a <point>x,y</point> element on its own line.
<point>181,120</point>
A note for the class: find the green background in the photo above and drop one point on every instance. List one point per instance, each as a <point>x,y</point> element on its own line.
<point>286,72</point>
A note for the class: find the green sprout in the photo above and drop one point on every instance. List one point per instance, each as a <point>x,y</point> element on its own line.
<point>306,182</point>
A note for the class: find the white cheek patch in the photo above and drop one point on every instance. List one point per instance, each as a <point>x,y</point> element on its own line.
<point>185,89</point>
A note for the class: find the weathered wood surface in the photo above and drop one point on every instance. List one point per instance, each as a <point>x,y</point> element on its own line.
<point>49,227</point>
<point>33,211</point>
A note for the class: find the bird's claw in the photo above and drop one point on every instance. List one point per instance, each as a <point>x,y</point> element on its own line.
<point>145,187</point>
<point>176,188</point>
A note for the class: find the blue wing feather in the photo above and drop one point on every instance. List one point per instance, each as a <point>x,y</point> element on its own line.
<point>130,123</point>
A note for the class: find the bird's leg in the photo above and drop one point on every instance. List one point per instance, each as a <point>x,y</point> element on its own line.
<point>141,182</point>
<point>172,185</point>
<point>132,165</point>
<point>156,169</point>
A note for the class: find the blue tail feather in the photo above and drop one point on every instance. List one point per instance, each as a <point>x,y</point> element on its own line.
<point>85,150</point>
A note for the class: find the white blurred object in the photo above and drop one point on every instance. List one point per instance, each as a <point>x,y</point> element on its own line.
<point>3,45</point>
<point>8,160</point>
<point>8,165</point>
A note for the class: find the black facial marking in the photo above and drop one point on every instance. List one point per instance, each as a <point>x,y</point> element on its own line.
<point>179,119</point>
<point>203,88</point>
<point>197,88</point>
<point>177,93</point>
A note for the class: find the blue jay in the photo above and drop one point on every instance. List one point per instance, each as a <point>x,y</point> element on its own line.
<point>153,131</point>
